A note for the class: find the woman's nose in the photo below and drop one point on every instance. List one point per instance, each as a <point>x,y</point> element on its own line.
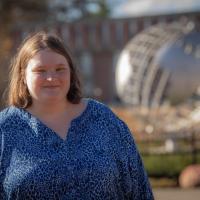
<point>50,76</point>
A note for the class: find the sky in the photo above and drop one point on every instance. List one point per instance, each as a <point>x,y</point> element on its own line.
<point>135,8</point>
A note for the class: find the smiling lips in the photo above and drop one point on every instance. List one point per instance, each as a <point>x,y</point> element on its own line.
<point>51,86</point>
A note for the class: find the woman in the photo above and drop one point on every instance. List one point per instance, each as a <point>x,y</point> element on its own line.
<point>54,144</point>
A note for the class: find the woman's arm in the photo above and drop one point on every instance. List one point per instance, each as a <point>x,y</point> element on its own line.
<point>136,177</point>
<point>1,163</point>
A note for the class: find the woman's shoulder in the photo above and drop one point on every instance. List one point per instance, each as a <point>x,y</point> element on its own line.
<point>7,115</point>
<point>104,111</point>
<point>107,117</point>
<point>99,107</point>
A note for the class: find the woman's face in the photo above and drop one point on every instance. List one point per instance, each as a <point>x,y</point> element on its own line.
<point>48,77</point>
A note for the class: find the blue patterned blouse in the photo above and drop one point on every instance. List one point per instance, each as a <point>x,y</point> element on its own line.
<point>98,160</point>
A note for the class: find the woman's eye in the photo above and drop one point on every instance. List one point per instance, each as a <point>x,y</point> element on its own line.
<point>60,69</point>
<point>39,70</point>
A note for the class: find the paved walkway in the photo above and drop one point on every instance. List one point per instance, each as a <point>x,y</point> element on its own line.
<point>176,194</point>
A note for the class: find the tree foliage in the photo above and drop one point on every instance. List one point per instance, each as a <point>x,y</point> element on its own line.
<point>79,9</point>
<point>13,11</point>
<point>20,11</point>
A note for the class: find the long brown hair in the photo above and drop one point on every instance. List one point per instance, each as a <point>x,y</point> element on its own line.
<point>18,94</point>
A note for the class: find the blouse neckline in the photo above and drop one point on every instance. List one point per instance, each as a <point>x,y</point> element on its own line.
<point>34,120</point>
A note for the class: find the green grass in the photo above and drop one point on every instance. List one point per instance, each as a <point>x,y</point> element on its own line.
<point>167,165</point>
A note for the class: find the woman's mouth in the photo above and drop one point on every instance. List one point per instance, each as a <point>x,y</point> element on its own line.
<point>51,86</point>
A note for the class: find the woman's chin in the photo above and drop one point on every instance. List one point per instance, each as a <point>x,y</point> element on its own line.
<point>52,98</point>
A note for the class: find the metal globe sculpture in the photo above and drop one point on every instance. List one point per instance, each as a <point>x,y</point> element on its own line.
<point>160,64</point>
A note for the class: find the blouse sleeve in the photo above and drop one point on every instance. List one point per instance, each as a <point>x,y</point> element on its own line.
<point>1,170</point>
<point>136,183</point>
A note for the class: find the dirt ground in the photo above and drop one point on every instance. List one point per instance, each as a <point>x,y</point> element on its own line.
<point>176,194</point>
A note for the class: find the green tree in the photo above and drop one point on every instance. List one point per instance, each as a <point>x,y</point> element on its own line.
<point>71,10</point>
